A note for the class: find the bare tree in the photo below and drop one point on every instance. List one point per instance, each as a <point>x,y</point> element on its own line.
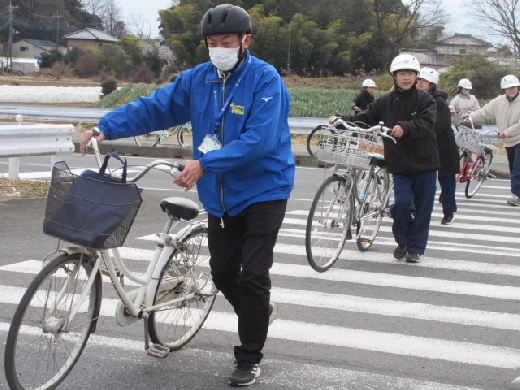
<point>94,7</point>
<point>399,23</point>
<point>140,26</point>
<point>500,18</point>
<point>112,19</point>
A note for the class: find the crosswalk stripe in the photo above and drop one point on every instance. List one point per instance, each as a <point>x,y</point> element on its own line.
<point>451,233</point>
<point>351,303</point>
<point>296,375</point>
<point>391,343</point>
<point>359,277</point>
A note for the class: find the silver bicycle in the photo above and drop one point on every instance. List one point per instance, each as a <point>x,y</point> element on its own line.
<point>357,193</point>
<point>61,306</point>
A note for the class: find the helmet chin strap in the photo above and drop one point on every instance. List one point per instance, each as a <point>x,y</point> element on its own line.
<point>241,55</point>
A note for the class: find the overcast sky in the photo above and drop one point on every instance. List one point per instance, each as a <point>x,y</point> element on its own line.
<point>149,10</point>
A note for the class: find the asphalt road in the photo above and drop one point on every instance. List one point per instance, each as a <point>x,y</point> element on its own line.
<point>370,322</point>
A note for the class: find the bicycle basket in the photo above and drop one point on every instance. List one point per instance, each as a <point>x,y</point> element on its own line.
<point>349,148</point>
<point>470,140</point>
<point>88,212</point>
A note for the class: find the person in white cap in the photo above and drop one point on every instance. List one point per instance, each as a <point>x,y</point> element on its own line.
<point>363,99</point>
<point>448,150</point>
<point>413,160</point>
<point>464,101</point>
<point>506,110</point>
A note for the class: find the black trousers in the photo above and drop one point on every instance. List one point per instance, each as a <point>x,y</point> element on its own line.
<point>241,256</point>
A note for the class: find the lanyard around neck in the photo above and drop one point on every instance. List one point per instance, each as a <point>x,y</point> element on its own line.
<point>219,113</point>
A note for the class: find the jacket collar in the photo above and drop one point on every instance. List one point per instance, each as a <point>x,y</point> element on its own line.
<point>216,75</point>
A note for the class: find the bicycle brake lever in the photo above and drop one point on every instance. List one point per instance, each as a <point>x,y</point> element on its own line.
<point>177,169</point>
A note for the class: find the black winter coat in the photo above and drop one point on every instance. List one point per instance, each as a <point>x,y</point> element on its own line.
<point>448,149</point>
<point>362,100</point>
<point>415,110</point>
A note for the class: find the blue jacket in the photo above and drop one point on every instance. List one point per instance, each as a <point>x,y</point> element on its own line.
<point>255,163</point>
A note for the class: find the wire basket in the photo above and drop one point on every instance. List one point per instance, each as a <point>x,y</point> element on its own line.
<point>98,214</point>
<point>470,140</point>
<point>349,148</point>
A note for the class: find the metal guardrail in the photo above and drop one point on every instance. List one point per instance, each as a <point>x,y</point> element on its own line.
<point>93,115</point>
<point>298,125</point>
<point>34,140</point>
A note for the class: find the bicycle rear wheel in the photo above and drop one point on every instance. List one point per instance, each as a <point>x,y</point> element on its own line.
<point>174,326</point>
<point>43,343</point>
<point>328,223</point>
<point>185,136</point>
<point>375,204</point>
<point>478,176</point>
<point>314,138</point>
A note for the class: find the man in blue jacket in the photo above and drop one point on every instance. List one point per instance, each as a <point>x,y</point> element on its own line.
<point>242,165</point>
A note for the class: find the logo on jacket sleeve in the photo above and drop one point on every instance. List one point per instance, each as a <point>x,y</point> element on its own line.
<point>237,109</point>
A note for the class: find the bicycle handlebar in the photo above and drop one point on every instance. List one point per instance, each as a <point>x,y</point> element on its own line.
<point>379,129</point>
<point>175,166</point>
<point>468,120</point>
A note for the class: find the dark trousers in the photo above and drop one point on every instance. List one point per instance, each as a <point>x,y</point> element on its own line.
<point>241,256</point>
<point>513,158</point>
<point>448,186</point>
<point>414,192</point>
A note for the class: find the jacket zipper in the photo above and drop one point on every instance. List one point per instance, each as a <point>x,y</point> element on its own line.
<point>221,178</point>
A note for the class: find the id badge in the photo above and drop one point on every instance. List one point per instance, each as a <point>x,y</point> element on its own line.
<point>209,143</point>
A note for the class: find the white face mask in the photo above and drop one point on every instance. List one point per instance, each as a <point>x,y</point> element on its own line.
<point>223,58</point>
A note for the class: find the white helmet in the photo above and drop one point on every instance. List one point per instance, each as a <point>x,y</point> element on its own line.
<point>429,74</point>
<point>509,81</point>
<point>405,62</point>
<point>465,83</point>
<point>369,83</point>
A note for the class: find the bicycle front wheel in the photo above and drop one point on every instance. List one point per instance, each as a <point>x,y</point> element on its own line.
<point>478,176</point>
<point>328,223</point>
<point>314,139</point>
<point>375,204</point>
<point>44,342</point>
<point>187,272</point>
<point>184,136</point>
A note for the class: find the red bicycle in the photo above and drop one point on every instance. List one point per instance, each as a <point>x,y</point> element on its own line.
<point>475,160</point>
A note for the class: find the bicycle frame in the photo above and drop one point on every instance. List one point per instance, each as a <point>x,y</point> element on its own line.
<point>166,245</point>
<point>467,166</point>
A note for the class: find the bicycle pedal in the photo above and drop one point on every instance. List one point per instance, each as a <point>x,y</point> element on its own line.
<point>158,351</point>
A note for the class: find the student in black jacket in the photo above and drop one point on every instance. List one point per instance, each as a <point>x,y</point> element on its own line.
<point>362,100</point>
<point>448,150</point>
<point>413,160</point>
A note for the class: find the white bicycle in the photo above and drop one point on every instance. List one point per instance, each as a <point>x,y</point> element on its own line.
<point>61,306</point>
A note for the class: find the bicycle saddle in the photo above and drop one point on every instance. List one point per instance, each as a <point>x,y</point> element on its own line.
<point>180,207</point>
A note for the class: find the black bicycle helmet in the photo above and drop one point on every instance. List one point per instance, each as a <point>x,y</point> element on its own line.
<point>226,19</point>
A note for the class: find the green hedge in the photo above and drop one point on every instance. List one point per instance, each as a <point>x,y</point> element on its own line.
<point>305,101</point>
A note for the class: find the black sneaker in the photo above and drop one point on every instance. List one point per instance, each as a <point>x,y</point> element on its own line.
<point>244,374</point>
<point>400,252</point>
<point>413,257</point>
<point>273,312</point>
<point>448,219</point>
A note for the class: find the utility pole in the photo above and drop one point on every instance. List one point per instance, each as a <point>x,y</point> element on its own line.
<point>58,16</point>
<point>10,37</point>
<point>289,52</point>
